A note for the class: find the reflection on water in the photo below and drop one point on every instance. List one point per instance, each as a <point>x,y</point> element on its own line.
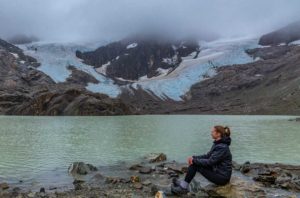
<point>32,146</point>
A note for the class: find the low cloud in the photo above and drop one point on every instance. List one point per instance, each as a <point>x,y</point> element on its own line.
<point>89,20</point>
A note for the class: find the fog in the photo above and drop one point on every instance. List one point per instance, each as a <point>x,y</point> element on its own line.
<point>89,20</point>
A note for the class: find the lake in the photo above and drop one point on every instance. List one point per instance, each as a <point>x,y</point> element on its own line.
<point>40,149</point>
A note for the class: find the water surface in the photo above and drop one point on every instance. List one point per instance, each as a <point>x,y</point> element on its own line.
<point>39,149</point>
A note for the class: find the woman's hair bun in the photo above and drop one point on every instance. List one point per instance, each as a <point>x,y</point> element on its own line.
<point>227,131</point>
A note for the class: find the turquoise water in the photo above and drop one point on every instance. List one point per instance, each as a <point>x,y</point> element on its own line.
<point>33,147</point>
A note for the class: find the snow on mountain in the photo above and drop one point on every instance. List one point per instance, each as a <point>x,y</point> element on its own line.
<point>213,54</point>
<point>56,57</point>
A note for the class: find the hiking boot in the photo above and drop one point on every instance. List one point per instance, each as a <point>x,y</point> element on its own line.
<point>178,190</point>
<point>176,181</point>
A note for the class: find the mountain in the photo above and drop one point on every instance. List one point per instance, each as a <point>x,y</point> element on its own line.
<point>24,90</point>
<point>140,75</point>
<point>267,86</point>
<point>285,35</point>
<point>134,58</point>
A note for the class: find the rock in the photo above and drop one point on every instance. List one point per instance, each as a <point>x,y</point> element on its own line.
<point>160,194</point>
<point>135,167</point>
<point>31,194</point>
<point>156,157</point>
<point>42,190</point>
<point>81,168</point>
<point>245,168</point>
<point>4,186</point>
<point>16,191</point>
<point>265,179</point>
<point>116,180</point>
<point>79,77</point>
<point>78,184</point>
<point>145,170</point>
<point>146,182</point>
<point>138,186</point>
<point>288,181</point>
<point>237,188</point>
<point>135,179</point>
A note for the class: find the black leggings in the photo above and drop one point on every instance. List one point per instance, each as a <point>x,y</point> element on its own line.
<point>208,173</point>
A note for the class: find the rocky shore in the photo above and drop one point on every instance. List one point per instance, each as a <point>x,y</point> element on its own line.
<point>152,177</point>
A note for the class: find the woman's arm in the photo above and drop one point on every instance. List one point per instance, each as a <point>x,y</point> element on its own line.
<point>204,156</point>
<point>215,157</point>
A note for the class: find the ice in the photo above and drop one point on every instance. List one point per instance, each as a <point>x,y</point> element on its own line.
<point>295,42</point>
<point>213,54</point>
<point>56,57</point>
<point>133,45</point>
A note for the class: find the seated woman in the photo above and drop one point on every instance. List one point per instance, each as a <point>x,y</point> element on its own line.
<point>216,165</point>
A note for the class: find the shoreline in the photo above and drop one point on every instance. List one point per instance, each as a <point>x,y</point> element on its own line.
<point>154,173</point>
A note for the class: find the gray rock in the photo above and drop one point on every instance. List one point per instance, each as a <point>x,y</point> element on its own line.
<point>81,168</point>
<point>156,157</point>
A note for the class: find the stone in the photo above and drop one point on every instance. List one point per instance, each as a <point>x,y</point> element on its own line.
<point>245,168</point>
<point>42,190</point>
<point>135,179</point>
<point>156,157</point>
<point>146,182</point>
<point>81,168</point>
<point>237,188</point>
<point>145,170</point>
<point>138,186</point>
<point>135,167</point>
<point>4,186</point>
<point>160,194</point>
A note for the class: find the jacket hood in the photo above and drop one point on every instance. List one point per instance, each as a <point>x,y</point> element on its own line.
<point>224,140</point>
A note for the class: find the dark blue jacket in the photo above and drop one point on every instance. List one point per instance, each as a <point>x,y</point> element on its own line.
<point>219,158</point>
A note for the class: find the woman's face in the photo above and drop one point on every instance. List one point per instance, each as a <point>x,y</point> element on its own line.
<point>214,134</point>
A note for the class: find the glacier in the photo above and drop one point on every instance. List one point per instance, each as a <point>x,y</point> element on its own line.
<point>56,57</point>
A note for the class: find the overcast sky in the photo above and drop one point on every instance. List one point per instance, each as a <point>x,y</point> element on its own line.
<point>88,20</point>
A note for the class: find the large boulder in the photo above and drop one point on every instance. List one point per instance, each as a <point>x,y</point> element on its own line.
<point>237,188</point>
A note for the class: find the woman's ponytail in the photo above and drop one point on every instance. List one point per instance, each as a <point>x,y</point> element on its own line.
<point>227,131</point>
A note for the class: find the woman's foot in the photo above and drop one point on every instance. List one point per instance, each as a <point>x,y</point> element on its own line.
<point>176,181</point>
<point>179,190</point>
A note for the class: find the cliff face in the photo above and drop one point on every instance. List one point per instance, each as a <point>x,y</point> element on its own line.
<point>133,58</point>
<point>26,91</point>
<point>286,35</point>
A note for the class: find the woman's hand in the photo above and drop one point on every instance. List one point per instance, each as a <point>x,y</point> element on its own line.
<point>190,160</point>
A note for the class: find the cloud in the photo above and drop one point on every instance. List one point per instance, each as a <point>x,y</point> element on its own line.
<point>88,20</point>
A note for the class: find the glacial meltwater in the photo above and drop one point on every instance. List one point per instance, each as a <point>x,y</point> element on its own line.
<point>38,150</point>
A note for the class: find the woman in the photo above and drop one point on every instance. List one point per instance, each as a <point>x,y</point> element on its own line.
<point>216,165</point>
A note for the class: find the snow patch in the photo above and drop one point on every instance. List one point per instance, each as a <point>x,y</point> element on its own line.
<point>103,68</point>
<point>133,45</point>
<point>295,42</point>
<point>170,61</point>
<point>15,55</point>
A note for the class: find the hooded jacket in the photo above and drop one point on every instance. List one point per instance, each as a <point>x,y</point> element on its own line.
<point>219,158</point>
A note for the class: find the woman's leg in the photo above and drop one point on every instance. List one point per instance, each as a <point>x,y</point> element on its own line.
<point>192,170</point>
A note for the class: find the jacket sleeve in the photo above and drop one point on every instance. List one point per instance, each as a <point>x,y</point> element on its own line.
<point>204,156</point>
<point>216,156</point>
